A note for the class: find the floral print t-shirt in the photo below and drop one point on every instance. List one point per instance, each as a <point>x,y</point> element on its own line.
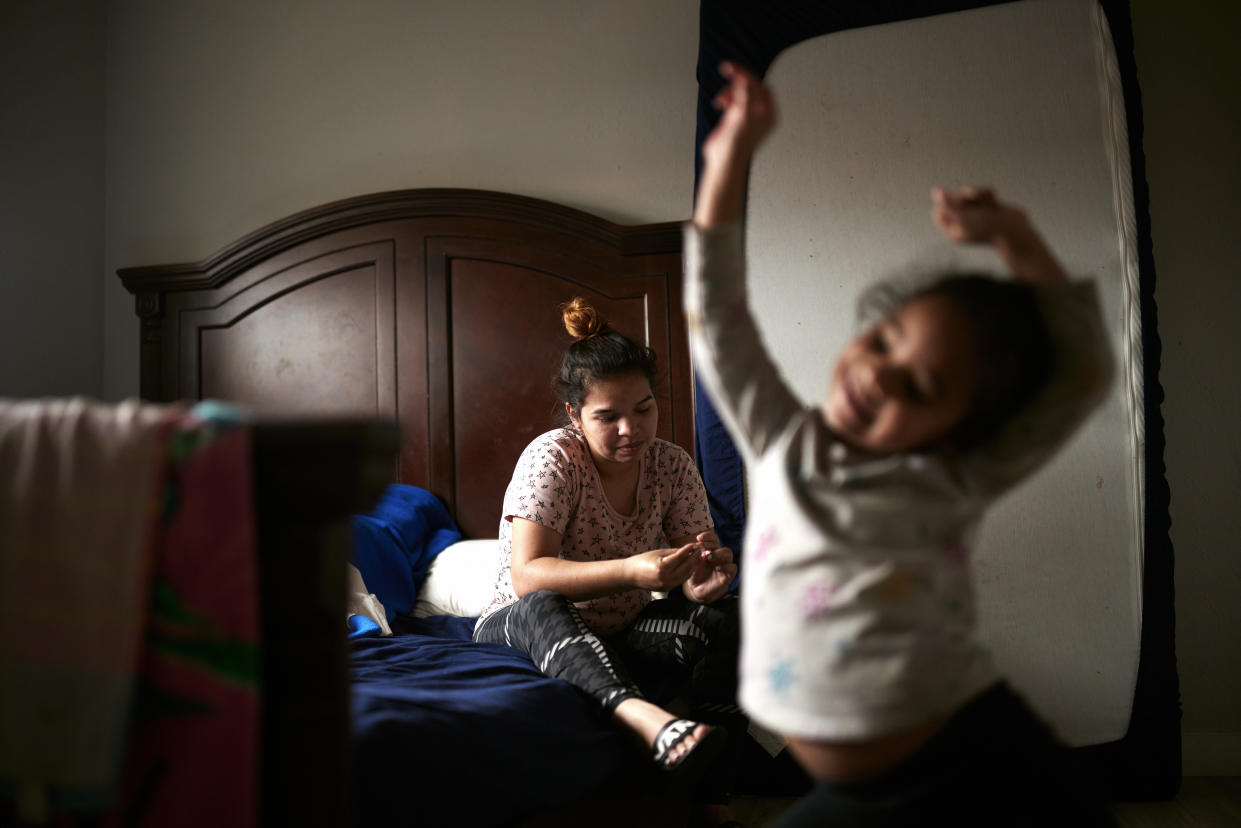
<point>556,484</point>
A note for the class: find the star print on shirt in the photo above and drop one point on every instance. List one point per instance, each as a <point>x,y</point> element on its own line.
<point>816,599</point>
<point>765,541</point>
<point>781,677</point>
<point>555,483</point>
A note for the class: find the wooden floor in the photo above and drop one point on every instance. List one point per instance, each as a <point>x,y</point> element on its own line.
<point>1203,802</point>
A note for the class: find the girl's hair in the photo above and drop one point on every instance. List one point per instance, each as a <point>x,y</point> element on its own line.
<point>599,352</point>
<point>1011,342</point>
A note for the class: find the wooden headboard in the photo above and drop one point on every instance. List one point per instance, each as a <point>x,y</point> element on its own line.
<point>435,308</point>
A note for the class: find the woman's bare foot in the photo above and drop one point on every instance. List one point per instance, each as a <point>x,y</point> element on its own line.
<point>646,720</point>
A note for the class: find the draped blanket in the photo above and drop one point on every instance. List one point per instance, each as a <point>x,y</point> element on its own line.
<point>128,614</point>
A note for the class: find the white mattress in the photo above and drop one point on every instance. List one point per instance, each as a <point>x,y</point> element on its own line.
<point>1024,97</point>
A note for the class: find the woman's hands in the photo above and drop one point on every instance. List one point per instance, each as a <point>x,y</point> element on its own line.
<point>713,571</point>
<point>974,215</point>
<point>702,568</point>
<point>662,569</point>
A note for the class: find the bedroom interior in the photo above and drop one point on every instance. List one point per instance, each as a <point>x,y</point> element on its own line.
<point>434,261</point>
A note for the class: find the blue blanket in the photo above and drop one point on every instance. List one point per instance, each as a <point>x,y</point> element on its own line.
<point>394,545</point>
<point>449,731</point>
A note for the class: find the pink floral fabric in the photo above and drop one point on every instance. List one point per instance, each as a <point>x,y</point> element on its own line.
<point>556,484</point>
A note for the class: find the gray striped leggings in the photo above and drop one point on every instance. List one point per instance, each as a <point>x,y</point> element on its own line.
<point>675,648</point>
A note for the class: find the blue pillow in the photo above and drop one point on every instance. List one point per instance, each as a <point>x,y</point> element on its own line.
<point>394,545</point>
<point>362,627</point>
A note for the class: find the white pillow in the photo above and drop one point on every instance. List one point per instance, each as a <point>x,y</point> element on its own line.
<point>461,580</point>
<point>360,601</point>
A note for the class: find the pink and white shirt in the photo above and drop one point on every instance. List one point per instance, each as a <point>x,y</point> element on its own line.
<point>556,484</point>
<point>858,612</point>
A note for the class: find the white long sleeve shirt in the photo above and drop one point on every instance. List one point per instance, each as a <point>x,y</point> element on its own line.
<point>858,612</point>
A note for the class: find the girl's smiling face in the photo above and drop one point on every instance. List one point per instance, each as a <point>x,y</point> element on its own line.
<point>618,418</point>
<point>908,382</point>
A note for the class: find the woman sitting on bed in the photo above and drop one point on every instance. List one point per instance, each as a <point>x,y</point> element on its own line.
<point>599,514</point>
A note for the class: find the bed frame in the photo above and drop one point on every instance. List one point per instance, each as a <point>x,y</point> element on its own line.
<point>434,311</point>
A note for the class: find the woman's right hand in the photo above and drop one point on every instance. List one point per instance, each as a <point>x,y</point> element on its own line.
<point>663,569</point>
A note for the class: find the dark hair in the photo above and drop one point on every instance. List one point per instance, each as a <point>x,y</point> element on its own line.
<point>1011,342</point>
<point>598,352</point>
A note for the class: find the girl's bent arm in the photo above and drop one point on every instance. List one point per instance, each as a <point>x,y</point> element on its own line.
<point>1081,353</point>
<point>973,214</point>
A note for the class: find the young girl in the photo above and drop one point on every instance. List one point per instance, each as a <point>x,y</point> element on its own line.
<point>857,607</point>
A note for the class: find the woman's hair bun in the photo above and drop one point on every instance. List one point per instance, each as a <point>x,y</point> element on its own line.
<point>581,320</point>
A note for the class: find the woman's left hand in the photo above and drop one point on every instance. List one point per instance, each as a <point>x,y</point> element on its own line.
<point>713,571</point>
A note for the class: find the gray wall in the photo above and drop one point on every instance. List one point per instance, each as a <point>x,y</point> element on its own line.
<point>223,116</point>
<point>1191,81</point>
<point>51,198</point>
<point>226,115</point>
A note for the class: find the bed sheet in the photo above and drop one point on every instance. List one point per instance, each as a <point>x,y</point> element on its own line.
<point>449,731</point>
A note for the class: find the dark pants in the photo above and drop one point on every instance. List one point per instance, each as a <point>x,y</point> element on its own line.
<point>994,764</point>
<point>675,649</point>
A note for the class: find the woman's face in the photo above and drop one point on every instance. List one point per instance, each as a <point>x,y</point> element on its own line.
<point>618,418</point>
<point>907,382</point>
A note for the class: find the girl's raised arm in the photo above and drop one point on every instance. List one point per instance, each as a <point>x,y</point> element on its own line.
<point>748,114</point>
<point>972,214</point>
<point>751,398</point>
